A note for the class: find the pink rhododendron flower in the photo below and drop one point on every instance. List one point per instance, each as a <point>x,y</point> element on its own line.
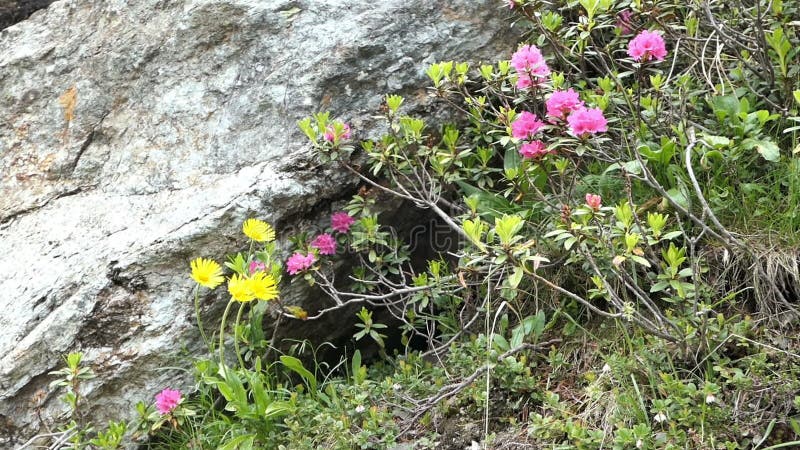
<point>256,266</point>
<point>533,149</point>
<point>299,263</point>
<point>530,65</point>
<point>594,201</point>
<point>583,122</point>
<point>330,133</point>
<point>561,103</point>
<point>624,23</point>
<point>526,125</point>
<point>646,45</point>
<point>325,243</point>
<point>167,400</point>
<point>341,222</point>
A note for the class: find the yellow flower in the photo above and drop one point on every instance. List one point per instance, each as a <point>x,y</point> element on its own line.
<point>258,230</point>
<point>239,288</point>
<point>263,286</point>
<point>206,273</point>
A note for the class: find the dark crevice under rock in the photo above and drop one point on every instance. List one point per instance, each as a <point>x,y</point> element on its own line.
<point>13,11</point>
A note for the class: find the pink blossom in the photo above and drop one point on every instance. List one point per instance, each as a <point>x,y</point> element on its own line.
<point>594,201</point>
<point>583,122</point>
<point>167,400</point>
<point>300,263</point>
<point>530,65</point>
<point>561,103</point>
<point>526,125</point>
<point>533,149</point>
<point>341,222</point>
<point>256,266</point>
<point>624,23</point>
<point>646,45</point>
<point>330,133</point>
<point>512,4</point>
<point>325,243</point>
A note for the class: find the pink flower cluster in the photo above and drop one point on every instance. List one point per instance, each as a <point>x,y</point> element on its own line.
<point>647,45</point>
<point>299,262</point>
<point>167,400</point>
<point>594,201</point>
<point>341,222</point>
<point>325,243</point>
<point>583,122</point>
<point>330,133</point>
<point>530,65</point>
<point>532,150</point>
<point>526,125</point>
<point>561,103</point>
<point>256,266</point>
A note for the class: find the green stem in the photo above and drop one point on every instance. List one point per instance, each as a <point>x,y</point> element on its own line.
<point>197,315</point>
<point>222,335</point>
<point>235,338</point>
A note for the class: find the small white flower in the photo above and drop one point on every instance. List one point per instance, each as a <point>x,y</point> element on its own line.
<point>639,443</point>
<point>397,386</point>
<point>606,368</point>
<point>660,417</point>
<point>710,399</point>
<point>360,409</point>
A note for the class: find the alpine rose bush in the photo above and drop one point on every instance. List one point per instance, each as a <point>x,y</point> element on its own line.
<point>594,201</point>
<point>535,149</point>
<point>341,222</point>
<point>646,45</point>
<point>584,122</point>
<point>325,243</point>
<point>526,125</point>
<point>256,266</point>
<point>530,65</point>
<point>167,400</point>
<point>561,103</point>
<point>330,133</point>
<point>300,263</point>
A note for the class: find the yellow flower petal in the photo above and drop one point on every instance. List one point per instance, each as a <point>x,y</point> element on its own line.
<point>206,272</point>
<point>263,286</point>
<point>258,230</point>
<point>239,288</point>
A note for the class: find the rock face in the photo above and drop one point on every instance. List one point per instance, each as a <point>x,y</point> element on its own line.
<point>136,135</point>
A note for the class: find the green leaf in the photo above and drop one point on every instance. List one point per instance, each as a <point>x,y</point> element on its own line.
<point>296,366</point>
<point>243,442</point>
<point>716,141</point>
<point>640,260</point>
<point>516,277</point>
<point>672,235</point>
<point>507,228</point>
<point>276,409</point>
<point>355,366</point>
<point>678,197</point>
<point>660,286</point>
<point>512,159</point>
<point>768,149</point>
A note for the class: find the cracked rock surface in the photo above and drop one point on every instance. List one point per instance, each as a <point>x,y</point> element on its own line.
<point>137,135</point>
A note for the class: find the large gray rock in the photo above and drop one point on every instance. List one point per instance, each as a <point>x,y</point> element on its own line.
<point>136,135</point>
